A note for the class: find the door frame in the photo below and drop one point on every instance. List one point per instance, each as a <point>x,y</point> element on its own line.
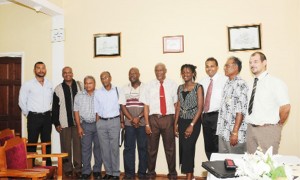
<point>21,55</point>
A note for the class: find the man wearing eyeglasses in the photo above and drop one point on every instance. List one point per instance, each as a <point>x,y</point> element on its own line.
<point>133,110</point>
<point>108,118</point>
<point>231,127</point>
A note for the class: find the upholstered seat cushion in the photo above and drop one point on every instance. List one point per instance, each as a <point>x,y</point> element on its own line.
<point>16,157</point>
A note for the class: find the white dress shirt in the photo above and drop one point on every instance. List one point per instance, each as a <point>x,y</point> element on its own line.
<point>219,82</point>
<point>271,93</point>
<point>150,96</point>
<point>35,97</point>
<point>106,102</point>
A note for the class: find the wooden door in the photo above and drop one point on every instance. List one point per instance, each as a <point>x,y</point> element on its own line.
<point>10,83</point>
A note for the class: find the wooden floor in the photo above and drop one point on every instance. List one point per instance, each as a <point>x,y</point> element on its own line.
<point>158,177</point>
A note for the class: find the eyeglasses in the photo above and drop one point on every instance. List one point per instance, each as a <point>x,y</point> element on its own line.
<point>228,65</point>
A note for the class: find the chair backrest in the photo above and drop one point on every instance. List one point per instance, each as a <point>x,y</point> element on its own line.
<point>5,135</point>
<point>16,153</point>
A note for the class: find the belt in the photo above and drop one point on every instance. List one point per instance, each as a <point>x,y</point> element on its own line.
<point>110,118</point>
<point>40,113</point>
<point>158,116</point>
<point>211,113</point>
<point>264,125</point>
<point>88,122</point>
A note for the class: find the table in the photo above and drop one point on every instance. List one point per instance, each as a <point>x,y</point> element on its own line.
<point>292,161</point>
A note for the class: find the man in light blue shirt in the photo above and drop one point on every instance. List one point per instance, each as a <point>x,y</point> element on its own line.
<point>107,111</point>
<point>35,100</point>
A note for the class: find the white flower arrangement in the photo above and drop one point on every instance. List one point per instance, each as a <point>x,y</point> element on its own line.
<point>260,166</point>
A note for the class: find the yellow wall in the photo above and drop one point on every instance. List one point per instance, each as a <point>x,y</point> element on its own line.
<point>143,24</point>
<point>24,30</point>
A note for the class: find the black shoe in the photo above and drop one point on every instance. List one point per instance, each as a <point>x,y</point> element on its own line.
<point>69,174</point>
<point>97,175</point>
<point>115,177</point>
<point>85,176</point>
<point>142,176</point>
<point>107,176</point>
<point>128,177</point>
<point>78,175</point>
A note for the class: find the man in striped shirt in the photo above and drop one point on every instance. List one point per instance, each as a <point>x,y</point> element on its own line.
<point>133,110</point>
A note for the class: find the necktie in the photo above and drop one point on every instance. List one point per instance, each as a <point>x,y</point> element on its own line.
<point>163,107</point>
<point>208,96</point>
<point>252,96</point>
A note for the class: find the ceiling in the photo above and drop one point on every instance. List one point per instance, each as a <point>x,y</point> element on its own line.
<point>4,2</point>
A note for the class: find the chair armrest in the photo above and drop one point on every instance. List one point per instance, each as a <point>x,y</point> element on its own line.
<point>39,144</point>
<point>58,155</point>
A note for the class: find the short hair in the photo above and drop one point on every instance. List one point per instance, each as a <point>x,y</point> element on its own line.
<point>160,64</point>
<point>212,59</point>
<point>89,77</point>
<point>261,55</point>
<point>237,61</point>
<point>192,68</point>
<point>39,62</point>
<point>106,72</point>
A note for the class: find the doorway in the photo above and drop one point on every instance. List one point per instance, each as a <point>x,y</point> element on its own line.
<point>10,83</point>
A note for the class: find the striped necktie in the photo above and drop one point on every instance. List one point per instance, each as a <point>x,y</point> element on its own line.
<point>252,96</point>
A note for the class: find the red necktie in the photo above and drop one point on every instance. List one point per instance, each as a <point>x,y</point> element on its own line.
<point>163,107</point>
<point>208,96</point>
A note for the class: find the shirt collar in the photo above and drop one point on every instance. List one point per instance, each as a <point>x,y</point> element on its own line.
<point>262,75</point>
<point>215,76</point>
<point>112,87</point>
<point>85,92</point>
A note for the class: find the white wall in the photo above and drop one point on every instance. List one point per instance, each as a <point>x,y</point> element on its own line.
<point>143,24</point>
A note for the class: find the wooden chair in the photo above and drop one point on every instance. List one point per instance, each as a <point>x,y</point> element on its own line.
<point>5,135</point>
<point>31,156</point>
<point>20,173</point>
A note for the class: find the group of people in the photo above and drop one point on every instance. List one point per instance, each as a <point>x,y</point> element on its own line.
<point>237,117</point>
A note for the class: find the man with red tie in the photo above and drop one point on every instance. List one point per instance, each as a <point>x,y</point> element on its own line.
<point>160,98</point>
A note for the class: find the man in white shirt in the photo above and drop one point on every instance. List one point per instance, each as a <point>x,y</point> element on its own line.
<point>35,100</point>
<point>268,108</point>
<point>210,115</point>
<point>160,98</point>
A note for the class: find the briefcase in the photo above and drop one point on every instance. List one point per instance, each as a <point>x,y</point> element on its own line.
<point>217,168</point>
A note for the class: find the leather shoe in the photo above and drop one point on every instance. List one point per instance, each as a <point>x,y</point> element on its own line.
<point>69,174</point>
<point>97,175</point>
<point>128,177</point>
<point>78,174</point>
<point>85,176</point>
<point>115,177</point>
<point>107,176</point>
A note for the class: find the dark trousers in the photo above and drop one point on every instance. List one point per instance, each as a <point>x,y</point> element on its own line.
<point>70,143</point>
<point>163,126</point>
<point>211,141</point>
<point>187,146</point>
<point>135,136</point>
<point>39,124</point>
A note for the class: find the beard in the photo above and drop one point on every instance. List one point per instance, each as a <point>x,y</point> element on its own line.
<point>40,75</point>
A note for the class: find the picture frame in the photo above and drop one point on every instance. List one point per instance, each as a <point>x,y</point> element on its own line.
<point>242,38</point>
<point>107,45</point>
<point>173,44</point>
